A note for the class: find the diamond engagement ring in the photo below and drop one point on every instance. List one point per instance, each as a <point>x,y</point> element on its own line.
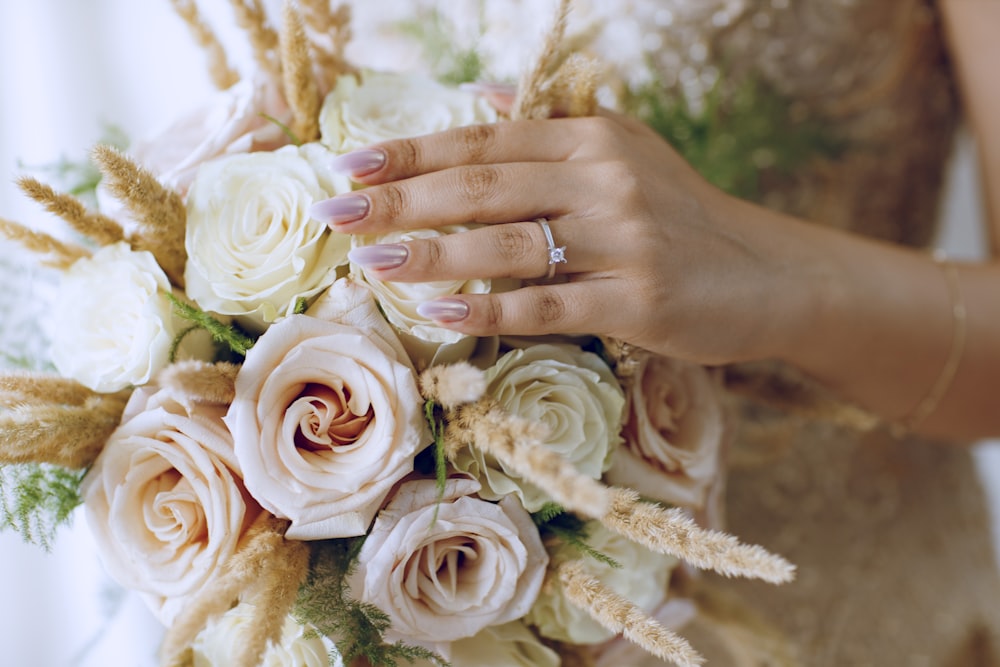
<point>557,254</point>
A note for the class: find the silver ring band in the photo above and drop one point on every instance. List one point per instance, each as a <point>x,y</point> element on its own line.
<point>557,254</point>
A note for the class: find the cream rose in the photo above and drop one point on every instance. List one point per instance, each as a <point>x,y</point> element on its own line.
<point>383,106</point>
<point>447,568</point>
<point>253,248</point>
<point>164,499</point>
<point>232,121</point>
<point>642,579</point>
<point>426,342</point>
<point>572,392</point>
<point>213,647</point>
<point>327,418</point>
<point>111,325</point>
<point>511,645</point>
<point>674,431</point>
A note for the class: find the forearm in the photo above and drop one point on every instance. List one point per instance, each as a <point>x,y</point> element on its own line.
<point>875,322</point>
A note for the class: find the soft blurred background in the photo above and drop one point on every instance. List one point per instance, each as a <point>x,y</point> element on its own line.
<point>68,70</point>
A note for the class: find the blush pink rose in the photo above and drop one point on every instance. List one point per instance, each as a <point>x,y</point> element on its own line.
<point>164,499</point>
<point>674,432</point>
<point>327,416</point>
<point>444,568</point>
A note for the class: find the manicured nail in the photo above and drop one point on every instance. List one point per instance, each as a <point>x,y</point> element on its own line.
<point>379,256</point>
<point>358,163</point>
<point>444,310</point>
<point>487,88</point>
<point>341,209</point>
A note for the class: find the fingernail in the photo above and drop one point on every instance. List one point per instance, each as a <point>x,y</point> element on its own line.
<point>444,310</point>
<point>379,256</point>
<point>341,209</point>
<point>358,163</point>
<point>487,88</point>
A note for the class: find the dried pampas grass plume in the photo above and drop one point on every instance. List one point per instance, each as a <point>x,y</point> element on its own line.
<point>53,420</point>
<point>98,228</point>
<point>575,86</point>
<point>252,18</point>
<point>53,252</point>
<point>266,572</point>
<point>200,381</point>
<point>520,444</point>
<point>531,101</point>
<point>223,75</point>
<point>622,616</point>
<point>453,385</point>
<point>329,32</point>
<point>160,211</point>
<point>301,90</point>
<point>671,531</point>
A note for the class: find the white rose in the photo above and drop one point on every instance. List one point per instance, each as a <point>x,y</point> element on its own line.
<point>164,499</point>
<point>425,342</point>
<point>253,248</point>
<point>444,568</point>
<point>511,645</point>
<point>573,393</point>
<point>327,418</point>
<point>674,431</point>
<point>642,579</point>
<point>385,106</point>
<point>111,326</point>
<point>214,646</point>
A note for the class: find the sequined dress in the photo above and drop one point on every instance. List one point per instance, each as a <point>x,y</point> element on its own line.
<point>891,537</point>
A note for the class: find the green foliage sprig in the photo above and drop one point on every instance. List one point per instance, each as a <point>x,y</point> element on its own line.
<point>449,63</point>
<point>292,138</point>
<point>231,336</point>
<point>737,134</point>
<point>356,628</point>
<point>571,529</point>
<point>36,499</point>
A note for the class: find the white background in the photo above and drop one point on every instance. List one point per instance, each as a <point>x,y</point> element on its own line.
<point>67,67</point>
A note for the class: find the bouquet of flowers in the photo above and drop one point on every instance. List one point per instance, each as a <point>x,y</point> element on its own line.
<point>289,462</point>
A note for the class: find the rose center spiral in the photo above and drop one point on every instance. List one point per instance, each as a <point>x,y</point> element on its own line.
<point>328,420</point>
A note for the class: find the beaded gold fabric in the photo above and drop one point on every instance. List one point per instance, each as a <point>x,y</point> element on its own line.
<point>892,538</point>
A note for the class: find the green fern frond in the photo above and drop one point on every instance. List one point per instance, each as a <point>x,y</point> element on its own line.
<point>356,628</point>
<point>36,499</point>
<point>571,529</point>
<point>231,336</point>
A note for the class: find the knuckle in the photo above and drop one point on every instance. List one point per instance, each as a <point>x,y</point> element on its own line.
<point>550,309</point>
<point>433,250</point>
<point>513,243</point>
<point>602,130</point>
<point>407,156</point>
<point>479,183</point>
<point>477,142</point>
<point>492,314</point>
<point>393,200</point>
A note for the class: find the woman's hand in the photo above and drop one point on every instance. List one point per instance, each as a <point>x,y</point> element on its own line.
<point>654,255</point>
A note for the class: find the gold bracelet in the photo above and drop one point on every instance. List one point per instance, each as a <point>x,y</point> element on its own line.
<point>930,402</point>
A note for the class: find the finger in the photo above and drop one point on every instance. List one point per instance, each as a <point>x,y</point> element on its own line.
<point>550,140</point>
<point>484,193</point>
<point>532,311</point>
<point>515,250</point>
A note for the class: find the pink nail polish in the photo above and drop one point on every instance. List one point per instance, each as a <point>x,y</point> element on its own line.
<point>488,88</point>
<point>379,256</point>
<point>341,209</point>
<point>444,310</point>
<point>359,163</point>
